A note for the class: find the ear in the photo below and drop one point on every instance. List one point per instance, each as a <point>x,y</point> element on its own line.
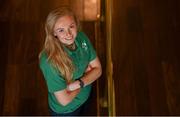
<point>55,35</point>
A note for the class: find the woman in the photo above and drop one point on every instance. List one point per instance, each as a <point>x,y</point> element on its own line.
<point>68,62</point>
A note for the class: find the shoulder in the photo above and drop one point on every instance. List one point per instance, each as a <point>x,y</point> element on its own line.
<point>46,65</point>
<point>82,36</point>
<point>43,59</point>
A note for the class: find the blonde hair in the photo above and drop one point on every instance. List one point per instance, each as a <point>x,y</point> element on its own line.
<point>52,46</point>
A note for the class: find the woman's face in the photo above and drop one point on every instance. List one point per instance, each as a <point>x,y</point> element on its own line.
<point>65,29</point>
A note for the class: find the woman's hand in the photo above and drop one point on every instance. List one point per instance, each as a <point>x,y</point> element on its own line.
<point>76,84</point>
<point>64,97</point>
<point>73,86</point>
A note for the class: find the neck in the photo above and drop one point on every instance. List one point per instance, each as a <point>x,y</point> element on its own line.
<point>71,46</point>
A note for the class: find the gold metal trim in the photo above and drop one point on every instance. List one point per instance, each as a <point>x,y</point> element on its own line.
<point>109,69</point>
<point>97,83</point>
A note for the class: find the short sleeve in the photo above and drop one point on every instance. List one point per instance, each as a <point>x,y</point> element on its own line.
<point>53,79</point>
<point>91,49</point>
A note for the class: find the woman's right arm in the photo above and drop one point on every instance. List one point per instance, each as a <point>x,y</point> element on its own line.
<point>55,82</point>
<point>64,96</point>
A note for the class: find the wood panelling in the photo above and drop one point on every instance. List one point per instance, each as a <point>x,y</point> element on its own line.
<point>145,44</point>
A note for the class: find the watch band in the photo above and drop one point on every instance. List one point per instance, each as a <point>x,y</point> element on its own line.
<point>81,83</point>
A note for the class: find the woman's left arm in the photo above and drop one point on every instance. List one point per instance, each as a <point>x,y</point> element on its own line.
<point>92,73</point>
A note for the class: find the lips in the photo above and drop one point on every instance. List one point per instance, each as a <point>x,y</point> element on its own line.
<point>68,38</point>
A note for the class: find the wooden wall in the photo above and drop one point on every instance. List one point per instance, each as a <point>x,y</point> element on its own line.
<point>146,58</point>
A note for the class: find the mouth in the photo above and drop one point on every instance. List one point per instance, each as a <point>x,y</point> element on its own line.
<point>71,38</point>
<point>68,38</point>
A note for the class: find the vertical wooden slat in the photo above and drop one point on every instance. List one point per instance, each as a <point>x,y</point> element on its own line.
<point>109,62</point>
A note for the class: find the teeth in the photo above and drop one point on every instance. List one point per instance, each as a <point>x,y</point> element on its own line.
<point>68,38</point>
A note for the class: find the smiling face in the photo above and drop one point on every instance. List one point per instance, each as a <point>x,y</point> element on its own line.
<point>65,29</point>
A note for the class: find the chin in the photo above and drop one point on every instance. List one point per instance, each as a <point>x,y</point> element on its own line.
<point>70,43</point>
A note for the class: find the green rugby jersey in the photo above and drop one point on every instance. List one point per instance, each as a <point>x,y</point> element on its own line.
<point>81,57</point>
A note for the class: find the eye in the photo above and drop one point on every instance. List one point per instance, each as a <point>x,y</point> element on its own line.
<point>61,30</point>
<point>72,26</point>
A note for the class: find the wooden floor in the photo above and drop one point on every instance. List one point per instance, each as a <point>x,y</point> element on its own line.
<point>23,91</point>
<point>145,54</point>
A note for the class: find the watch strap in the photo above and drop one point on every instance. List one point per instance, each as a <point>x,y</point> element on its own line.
<point>81,83</point>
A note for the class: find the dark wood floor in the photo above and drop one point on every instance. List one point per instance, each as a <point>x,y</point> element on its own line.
<point>23,91</point>
<point>146,56</point>
<point>145,53</point>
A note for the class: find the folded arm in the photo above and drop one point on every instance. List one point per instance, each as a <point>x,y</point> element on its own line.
<point>92,73</point>
<point>65,96</point>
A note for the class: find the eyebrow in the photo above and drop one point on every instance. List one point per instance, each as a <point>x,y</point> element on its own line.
<point>69,25</point>
<point>59,29</point>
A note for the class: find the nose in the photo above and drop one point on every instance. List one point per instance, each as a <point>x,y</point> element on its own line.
<point>68,33</point>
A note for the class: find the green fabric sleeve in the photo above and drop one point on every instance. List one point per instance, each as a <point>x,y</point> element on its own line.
<point>53,79</point>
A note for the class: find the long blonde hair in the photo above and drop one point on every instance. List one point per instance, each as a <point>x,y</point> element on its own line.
<point>52,46</point>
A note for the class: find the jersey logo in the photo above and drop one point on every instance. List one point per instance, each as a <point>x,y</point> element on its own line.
<point>84,46</point>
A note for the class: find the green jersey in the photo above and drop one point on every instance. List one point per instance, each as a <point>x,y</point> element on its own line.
<point>81,57</point>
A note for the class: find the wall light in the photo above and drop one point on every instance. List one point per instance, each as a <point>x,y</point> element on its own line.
<point>86,10</point>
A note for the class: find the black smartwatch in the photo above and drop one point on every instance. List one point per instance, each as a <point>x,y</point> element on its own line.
<point>81,83</point>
